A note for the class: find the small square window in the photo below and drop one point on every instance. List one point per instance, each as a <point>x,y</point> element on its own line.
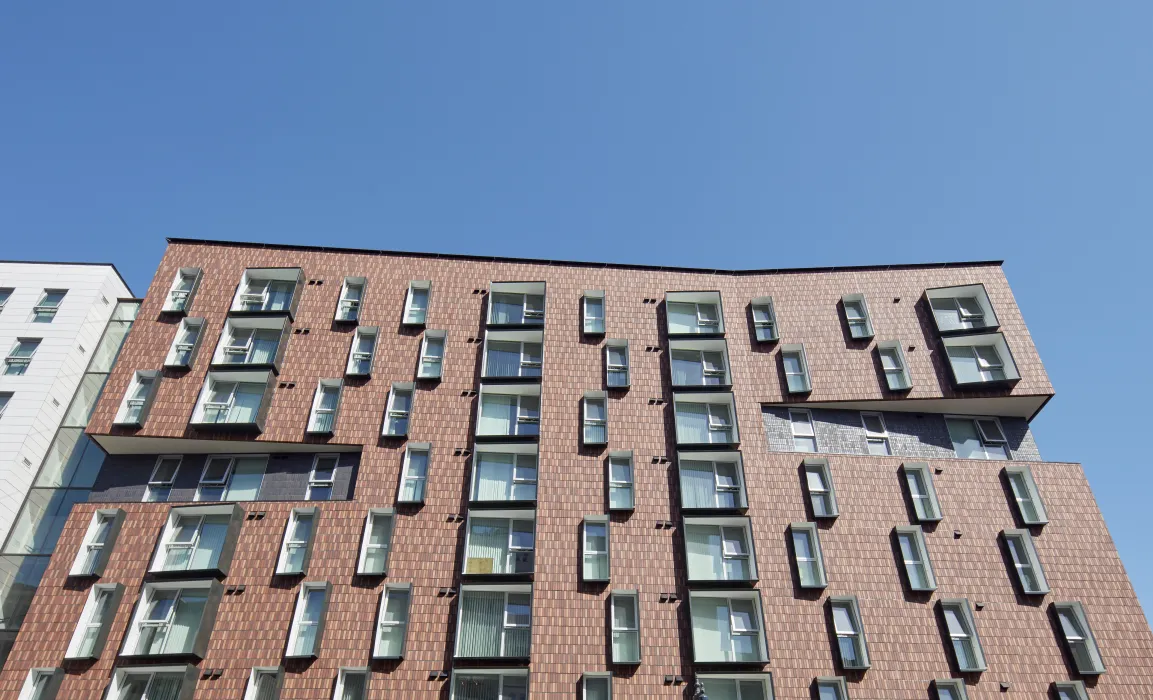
<point>431,355</point>
<point>594,313</point>
<point>45,309</point>
<point>967,652</point>
<point>596,427</point>
<point>414,474</point>
<point>362,351</point>
<point>804,434</point>
<point>922,493</point>
<point>376,542</point>
<point>20,356</point>
<point>621,489</point>
<point>819,482</point>
<point>596,549</point>
<point>915,556</point>
<point>857,316</point>
<point>626,627</point>
<point>765,320</point>
<point>1026,564</point>
<point>876,434</point>
<point>416,302</point>
<point>796,366</point>
<point>851,645</point>
<point>351,298</point>
<point>617,364</point>
<point>597,686</point>
<point>296,550</point>
<point>1079,638</point>
<point>810,563</point>
<point>831,688</point>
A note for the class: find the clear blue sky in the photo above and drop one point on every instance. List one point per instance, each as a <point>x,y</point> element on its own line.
<point>728,134</point>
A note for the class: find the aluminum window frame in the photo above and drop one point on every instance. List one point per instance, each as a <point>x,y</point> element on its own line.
<point>698,299</point>
<point>430,366</point>
<point>516,451</point>
<point>1070,690</point>
<point>501,673</point>
<point>154,486</point>
<point>820,467</point>
<point>955,687</point>
<point>717,426</point>
<point>292,649</point>
<point>930,507</point>
<point>597,677</point>
<point>588,423</point>
<point>530,367</point>
<point>769,321</point>
<point>509,517</point>
<point>381,623</point>
<point>811,531</point>
<point>407,475</point>
<point>412,315</point>
<point>214,383</point>
<point>796,350</point>
<point>182,352</point>
<point>226,482</point>
<point>360,361</point>
<point>836,683</point>
<point>897,379</point>
<point>721,525</point>
<point>587,552</point>
<point>592,324</point>
<point>963,613</point>
<point>1078,631</point>
<point>530,317</point>
<point>140,618</point>
<point>939,296</point>
<point>264,278</point>
<point>179,299</point>
<point>92,556</point>
<point>394,416</point>
<point>291,542</point>
<point>317,479</point>
<point>633,596</point>
<point>20,356</point>
<point>316,414</point>
<point>720,486</point>
<point>42,683</point>
<point>984,436</point>
<point>700,347</point>
<point>347,306</point>
<point>233,514</point>
<point>873,437</point>
<point>758,618</point>
<point>252,688</point>
<point>99,613</point>
<point>246,328</point>
<point>1020,478</point>
<point>506,625</point>
<point>44,311</point>
<point>1019,545</point>
<point>615,485</point>
<point>806,420</point>
<point>981,349</point>
<point>860,328</point>
<point>765,680</point>
<point>120,674</point>
<point>617,369</point>
<point>526,425</point>
<point>340,689</point>
<point>916,538</point>
<point>366,545</point>
<point>856,634</point>
<point>137,400</point>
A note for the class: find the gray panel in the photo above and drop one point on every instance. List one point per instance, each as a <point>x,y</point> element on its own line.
<point>228,547</point>
<point>208,619</point>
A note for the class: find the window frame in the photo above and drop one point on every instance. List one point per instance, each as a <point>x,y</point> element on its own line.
<point>715,425</point>
<point>860,639</point>
<point>80,564</point>
<point>139,395</point>
<point>616,370</point>
<point>348,308</point>
<point>524,419</point>
<point>407,316</point>
<point>226,482</point>
<point>251,690</point>
<point>427,359</point>
<point>405,476</point>
<point>319,482</point>
<point>507,590</point>
<point>632,595</point>
<point>1076,688</point>
<point>765,304</point>
<point>1032,561</point>
<point>721,524</point>
<point>797,349</point>
<point>385,593</point>
<point>865,322</point>
<point>729,595</point>
<point>1007,365</point>
<point>44,312</point>
<point>1095,664</point>
<point>500,673</point>
<point>982,436</point>
<point>976,292</point>
<point>873,437</point>
<point>392,415</point>
<point>5,295</point>
<point>929,498</point>
<point>292,650</point>
<point>342,674</point>
<point>917,540</point>
<point>14,360</point>
<point>295,516</point>
<point>812,532</point>
<point>247,328</point>
<point>357,357</point>
<point>213,591</point>
<point>526,363</point>
<point>516,451</point>
<point>53,677</point>
<point>586,552</point>
<point>172,360</point>
<point>808,414</point>
<point>612,484</point>
<point>765,679</point>
<point>314,427</point>
<point>120,674</point>
<point>1025,473</point>
<point>5,399</point>
<point>171,305</point>
<point>701,346</point>
<point>236,378</point>
<point>820,466</point>
<point>365,544</point>
<point>510,517</point>
<point>592,398</point>
<point>235,517</point>
<point>153,485</point>
<point>530,317</point>
<point>963,612</point>
<point>698,299</point>
<point>902,369</point>
<point>713,459</point>
<point>955,686</point>
<point>598,676</point>
<point>590,324</point>
<point>87,621</point>
<point>837,683</point>
<point>269,276</point>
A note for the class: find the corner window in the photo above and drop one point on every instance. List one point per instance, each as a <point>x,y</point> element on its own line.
<point>393,622</point>
<point>504,473</point>
<point>492,684</point>
<point>431,355</point>
<point>857,316</point>
<point>247,342</point>
<point>200,538</point>
<point>231,478</point>
<point>796,366</point>
<point>804,435</point>
<point>322,477</point>
<point>173,619</point>
<point>1026,496</point>
<point>967,653</point>
<point>98,543</point>
<point>264,683</point>
<point>351,296</point>
<point>807,555</point>
<point>854,652</point>
<point>703,419</point>
<point>95,622</point>
<point>727,627</point>
<point>361,353</point>
<point>922,493</point>
<point>1030,575</point>
<point>513,353</point>
<point>819,481</point>
<point>876,434</point>
<point>617,364</point>
<point>20,356</point>
<point>831,688</point>
<point>160,482</point>
<point>894,366</point>
<point>416,302</point>
<point>184,285</point>
<point>950,689</point>
<point>138,399</point>
<point>1070,690</point>
<point>915,556</point>
<point>765,320</point>
<point>494,622</point>
<point>308,620</point>
<point>961,309</point>
<point>621,494</point>
<point>399,410</point>
<point>694,313</point>
<point>1079,638</point>
<point>712,481</point>
<point>296,549</point>
<point>719,549</point>
<point>235,400</point>
<point>267,290</point>
<point>351,684</point>
<point>325,402</point>
<point>596,429</point>
<point>376,542</point>
<point>597,686</point>
<point>699,362</point>
<point>594,313</point>
<point>626,628</point>
<point>977,438</point>
<point>42,684</point>
<point>152,682</point>
<point>516,303</point>
<point>595,540</point>
<point>45,309</point>
<point>500,542</point>
<point>415,473</point>
<point>509,410</point>
<point>980,359</point>
<point>185,343</point>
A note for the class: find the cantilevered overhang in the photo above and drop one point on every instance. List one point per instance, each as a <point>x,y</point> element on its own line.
<point>136,445</point>
<point>1025,406</point>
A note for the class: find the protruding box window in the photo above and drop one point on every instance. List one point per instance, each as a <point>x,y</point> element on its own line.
<point>622,495</point>
<point>99,540</point>
<point>504,684</point>
<point>268,290</point>
<point>617,363</point>
<point>705,419</point>
<point>361,354</point>
<point>857,316</point>
<point>233,400</point>
<point>967,652</point>
<point>720,549</point>
<point>154,683</point>
<point>894,365</point>
<point>183,289</point>
<point>376,543</point>
<point>325,405</point>
<point>807,555</point>
<point>819,482</point>
<point>980,360</point>
<point>504,473</point>
<point>185,343</point>
<point>494,622</point>
<point>727,627</point>
<point>308,620</point>
<point>398,411</point>
<point>738,686</point>
<point>595,539</point>
<point>513,354</point>
<point>712,480</point>
<point>509,410</point>
<point>626,626</point>
<point>594,312</point>
<point>516,304</point>
<point>964,309</point>
<point>595,430</point>
<point>431,355</point>
<point>392,621</point>
<point>351,298</point>
<point>694,313</point>
<point>198,539</point>
<point>922,493</point>
<point>796,365</point>
<point>251,343</point>
<point>416,302</point>
<point>977,438</point>
<point>414,475</point>
<point>501,543</point>
<point>1079,638</point>
<point>95,622</point>
<point>173,619</point>
<point>765,320</point>
<point>1030,508</point>
<point>699,362</point>
<point>296,549</point>
<point>915,556</point>
<point>850,631</point>
<point>138,399</point>
<point>1026,563</point>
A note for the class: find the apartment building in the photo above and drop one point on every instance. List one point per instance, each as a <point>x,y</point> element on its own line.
<point>59,335</point>
<point>356,474</point>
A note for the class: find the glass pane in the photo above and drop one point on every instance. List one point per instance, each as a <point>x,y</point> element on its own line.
<point>965,440</point>
<point>84,400</point>
<point>965,366</point>
<point>105,354</point>
<point>596,689</point>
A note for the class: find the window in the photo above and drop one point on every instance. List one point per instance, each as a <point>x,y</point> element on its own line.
<point>596,429</point>
<point>961,309</point>
<point>185,343</point>
<point>45,309</point>
<point>509,410</point>
<point>513,353</point>
<point>967,653</point>
<point>351,684</point>
<point>392,624</point>
<point>231,478</point>
<point>596,548</point>
<point>416,303</point>
<point>361,353</point>
<point>1025,493</point>
<point>831,688</point>
<point>819,481</point>
<point>1030,575</point>
<point>507,475</point>
<point>1079,638</point>
<point>719,549</point>
<point>807,555</point>
<point>738,686</point>
<point>694,313</point>
<point>250,342</point>
<point>915,555</point>
<point>98,543</point>
<point>626,630</point>
<point>490,684</point>
<point>399,410</point>
<point>977,438</point>
<point>20,356</point>
<point>268,290</point>
<point>876,434</point>
<point>153,682</point>
<point>42,684</point>
<point>500,542</point>
<point>950,689</point>
<point>173,618</point>
<point>796,366</point>
<point>5,294</point>
<point>804,435</point>
<point>727,627</point>
<point>922,493</point>
<point>621,494</point>
<point>705,419</point>
<point>980,359</point>
<point>1071,690</point>
<point>199,538</point>
<point>765,320</point>
<point>617,363</point>
<point>95,622</point>
<point>854,652</point>
<point>160,482</point>
<point>296,549</point>
<point>857,316</point>
<point>516,303</point>
<point>325,402</point>
<point>235,400</point>
<point>594,313</point>
<point>5,398</point>
<point>415,473</point>
<point>494,622</point>
<point>308,620</point>
<point>138,399</point>
<point>351,297</point>
<point>597,686</point>
<point>376,542</point>
<point>183,287</point>
<point>712,481</point>
<point>322,477</point>
<point>264,683</point>
<point>431,355</point>
<point>699,362</point>
<point>894,366</point>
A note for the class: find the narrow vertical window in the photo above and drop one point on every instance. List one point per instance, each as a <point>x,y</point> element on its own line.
<point>1079,638</point>
<point>594,313</point>
<point>876,434</point>
<point>967,651</point>
<point>376,542</point>
<point>415,473</point>
<point>308,620</point>
<point>5,398</point>
<point>857,316</point>
<point>20,356</point>
<point>160,482</point>
<point>819,481</point>
<point>322,477</point>
<point>923,494</point>
<point>393,622</point>
<point>596,549</point>
<point>894,366</point>
<point>326,400</point>
<point>416,304</point>
<point>1026,496</point>
<point>431,355</point>
<point>42,684</point>
<point>45,309</point>
<point>351,296</point>
<point>850,636</point>
<point>93,552</point>
<point>796,369</point>
<point>398,411</point>
<point>294,553</point>
<point>617,363</point>
<point>184,343</point>
<point>595,419</point>
<point>807,555</point>
<point>621,494</point>
<point>95,622</point>
<point>351,684</point>
<point>134,407</point>
<point>1026,563</point>
<point>361,353</point>
<point>626,628</point>
<point>765,319</point>
<point>915,556</point>
<point>183,287</point>
<point>804,436</point>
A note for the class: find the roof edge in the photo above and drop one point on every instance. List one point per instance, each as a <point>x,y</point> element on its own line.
<point>67,262</point>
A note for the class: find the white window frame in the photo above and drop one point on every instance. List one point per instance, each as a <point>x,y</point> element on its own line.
<point>318,481</point>
<point>366,544</point>
<point>22,362</point>
<point>757,631</point>
<point>765,329</point>
<point>393,415</point>
<point>298,621</point>
<point>88,620</point>
<point>314,414</point>
<point>965,633</point>
<point>810,530</point>
<point>823,492</point>
<point>342,678</point>
<point>116,690</point>
<point>182,345</point>
<point>410,311</point>
<point>38,682</point>
<point>407,475</point>
<point>516,452</point>
<point>588,553</point>
<point>166,542</point>
<point>621,486</point>
<point>390,590</point>
<point>916,539</point>
<point>588,422</point>
<point>765,680</point>
<point>806,419</point>
<point>860,327</point>
<point>140,620</point>
<point>592,324</point>
<point>506,623</point>
<point>797,349</point>
<point>431,366</point>
<point>251,690</point>
<point>617,369</point>
<point>700,348</point>
<point>136,398</point>
<point>154,485</point>
<point>5,295</point>
<point>529,316</point>
<point>5,399</point>
<point>983,436</point>
<point>873,437</point>
<point>348,307</point>
<point>357,356</point>
<point>896,378</point>
<point>177,298</point>
<point>224,408</point>
<point>1024,490</point>
<point>589,678</point>
<point>713,459</point>
<point>949,689</point>
<point>291,543</point>
<point>90,550</point>
<point>1072,690</point>
<point>511,517</point>
<point>615,629</point>
<point>44,312</point>
<point>991,370</point>
<point>226,482</point>
<point>855,633</point>
<point>237,341</point>
<point>1026,562</point>
<point>501,675</point>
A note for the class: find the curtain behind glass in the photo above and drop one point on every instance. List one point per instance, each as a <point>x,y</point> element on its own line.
<point>493,476</point>
<point>353,686</point>
<point>165,687</point>
<point>682,317</point>
<point>698,485</point>
<point>507,308</point>
<point>481,622</point>
<point>687,367</point>
<point>486,687</point>
<point>503,359</point>
<point>964,363</point>
<point>703,544</point>
<point>264,347</point>
<point>185,622</point>
<point>245,403</point>
<point>488,542</point>
<point>692,422</point>
<point>212,534</point>
<point>497,415</point>
<point>247,474</point>
<point>265,686</point>
<point>711,638</point>
<point>280,295</point>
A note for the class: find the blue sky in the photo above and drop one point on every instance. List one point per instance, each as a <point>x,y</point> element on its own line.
<point>727,134</point>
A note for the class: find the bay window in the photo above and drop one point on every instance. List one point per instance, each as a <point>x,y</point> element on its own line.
<point>961,309</point>
<point>720,549</point>
<point>237,400</point>
<point>507,410</point>
<point>198,538</point>
<point>699,363</point>
<point>500,542</point>
<point>712,480</point>
<point>173,618</point>
<point>504,473</point>
<point>494,622</point>
<point>727,627</point>
<point>516,304</point>
<point>705,418</point>
<point>693,313</point>
<point>268,291</point>
<point>251,342</point>
<point>513,354</point>
<point>978,360</point>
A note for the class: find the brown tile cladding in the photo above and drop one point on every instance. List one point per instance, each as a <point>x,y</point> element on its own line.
<point>569,621</point>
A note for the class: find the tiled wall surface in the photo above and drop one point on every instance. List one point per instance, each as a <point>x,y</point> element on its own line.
<point>570,618</point>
